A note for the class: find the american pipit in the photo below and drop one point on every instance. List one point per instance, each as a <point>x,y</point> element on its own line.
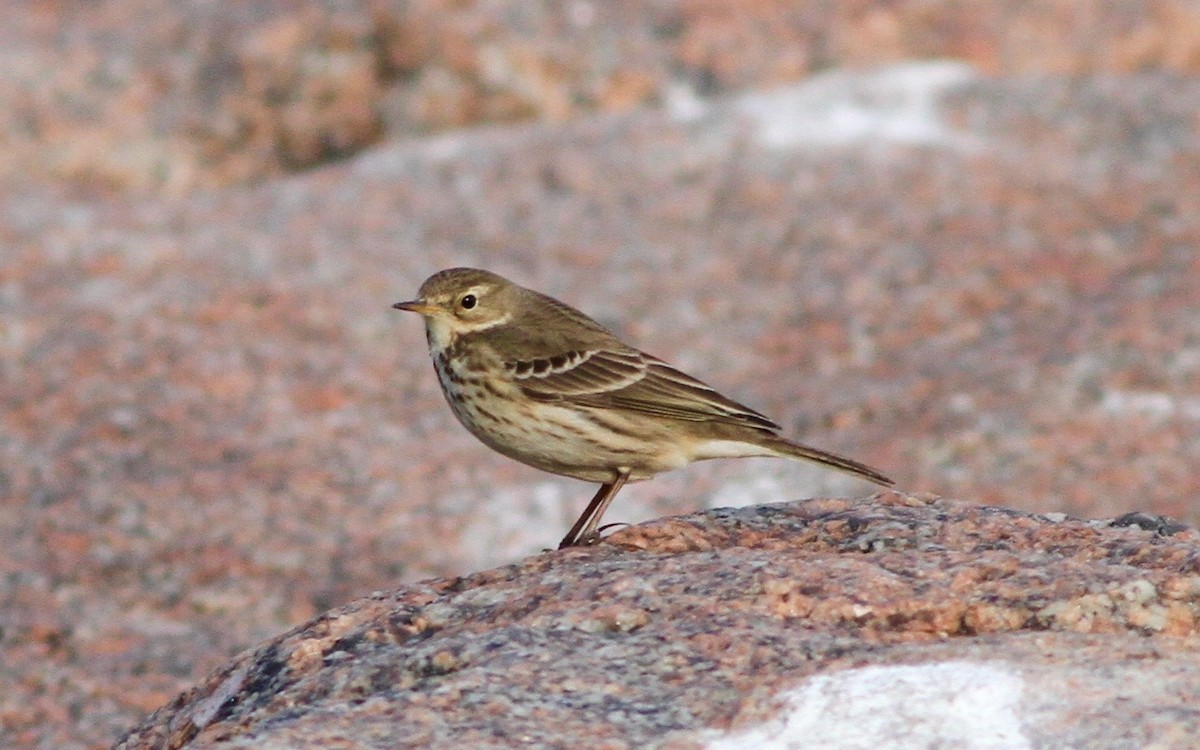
<point>541,382</point>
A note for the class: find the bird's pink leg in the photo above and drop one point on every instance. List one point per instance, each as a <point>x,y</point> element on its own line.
<point>584,530</point>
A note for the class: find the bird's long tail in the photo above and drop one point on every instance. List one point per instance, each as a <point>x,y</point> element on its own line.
<point>784,447</point>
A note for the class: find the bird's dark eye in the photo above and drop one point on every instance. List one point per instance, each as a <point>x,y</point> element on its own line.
<point>468,301</point>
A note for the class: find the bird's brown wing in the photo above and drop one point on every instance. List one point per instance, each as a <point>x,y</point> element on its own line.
<point>630,380</point>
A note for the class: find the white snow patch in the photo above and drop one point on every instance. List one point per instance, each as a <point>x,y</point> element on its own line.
<point>683,103</point>
<point>773,480</point>
<point>521,520</point>
<point>896,104</point>
<point>1154,404</point>
<point>439,149</point>
<point>753,490</point>
<point>960,704</point>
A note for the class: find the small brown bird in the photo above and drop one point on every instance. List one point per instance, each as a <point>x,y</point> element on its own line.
<point>541,382</point>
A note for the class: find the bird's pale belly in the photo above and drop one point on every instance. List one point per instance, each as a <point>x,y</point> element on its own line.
<point>586,444</point>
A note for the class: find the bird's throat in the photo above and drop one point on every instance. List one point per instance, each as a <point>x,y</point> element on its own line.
<point>439,335</point>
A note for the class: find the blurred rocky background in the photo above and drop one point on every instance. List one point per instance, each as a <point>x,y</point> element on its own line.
<point>955,240</point>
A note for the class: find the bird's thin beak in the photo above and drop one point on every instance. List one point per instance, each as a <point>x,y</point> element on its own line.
<point>419,306</point>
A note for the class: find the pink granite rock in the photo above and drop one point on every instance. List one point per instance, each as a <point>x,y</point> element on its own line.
<point>212,426</point>
<point>892,620</point>
<point>147,95</point>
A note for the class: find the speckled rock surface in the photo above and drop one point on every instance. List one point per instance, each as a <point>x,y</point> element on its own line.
<point>156,95</point>
<point>685,632</point>
<point>212,426</point>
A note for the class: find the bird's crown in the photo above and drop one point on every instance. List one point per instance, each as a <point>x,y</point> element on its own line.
<point>455,281</point>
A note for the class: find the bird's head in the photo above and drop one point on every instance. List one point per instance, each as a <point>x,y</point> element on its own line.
<point>462,300</point>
